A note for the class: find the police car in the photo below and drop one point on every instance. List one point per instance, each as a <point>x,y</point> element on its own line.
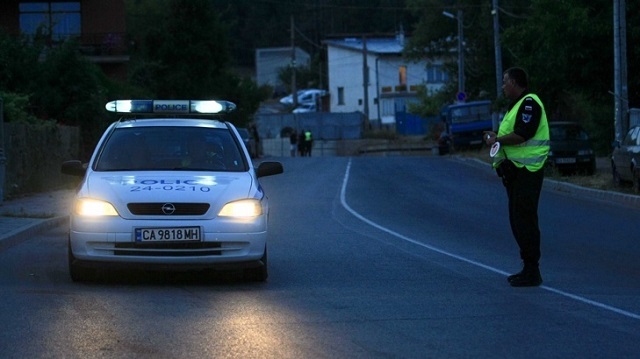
<point>176,190</point>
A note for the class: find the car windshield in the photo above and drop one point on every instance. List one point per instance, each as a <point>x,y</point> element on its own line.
<point>170,149</point>
<point>469,113</point>
<point>567,133</point>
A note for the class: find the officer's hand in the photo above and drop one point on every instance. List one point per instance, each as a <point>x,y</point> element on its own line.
<point>489,137</point>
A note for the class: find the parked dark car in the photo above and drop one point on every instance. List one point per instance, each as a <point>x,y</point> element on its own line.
<point>625,160</point>
<point>249,141</point>
<point>571,148</point>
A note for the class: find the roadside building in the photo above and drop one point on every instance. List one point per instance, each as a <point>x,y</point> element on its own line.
<point>392,80</point>
<point>99,25</point>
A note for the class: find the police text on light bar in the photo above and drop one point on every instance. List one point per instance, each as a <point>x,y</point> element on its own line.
<point>170,106</point>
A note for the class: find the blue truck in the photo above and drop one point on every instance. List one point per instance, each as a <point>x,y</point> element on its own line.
<point>466,121</point>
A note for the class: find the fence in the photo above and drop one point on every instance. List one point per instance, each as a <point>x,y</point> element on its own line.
<point>34,154</point>
<point>323,125</point>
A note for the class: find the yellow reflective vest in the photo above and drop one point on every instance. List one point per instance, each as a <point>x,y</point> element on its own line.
<point>530,154</point>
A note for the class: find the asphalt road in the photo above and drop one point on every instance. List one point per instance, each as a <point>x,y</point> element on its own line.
<point>374,257</point>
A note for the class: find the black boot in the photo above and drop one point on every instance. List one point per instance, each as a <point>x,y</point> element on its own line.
<point>514,276</point>
<point>529,276</point>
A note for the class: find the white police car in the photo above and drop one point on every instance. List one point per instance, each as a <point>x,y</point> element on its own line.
<point>169,193</point>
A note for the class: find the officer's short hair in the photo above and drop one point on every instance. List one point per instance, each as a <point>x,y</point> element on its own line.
<point>519,75</point>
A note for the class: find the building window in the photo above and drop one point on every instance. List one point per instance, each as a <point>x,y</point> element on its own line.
<point>57,20</point>
<point>387,107</point>
<point>340,95</point>
<point>436,75</point>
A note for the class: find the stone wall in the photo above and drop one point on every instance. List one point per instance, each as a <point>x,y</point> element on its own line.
<point>33,155</point>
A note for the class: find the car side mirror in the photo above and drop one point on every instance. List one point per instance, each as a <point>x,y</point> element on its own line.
<point>269,168</point>
<point>73,168</point>
<point>615,144</point>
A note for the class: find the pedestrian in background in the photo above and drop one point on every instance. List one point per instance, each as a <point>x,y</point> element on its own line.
<point>256,137</point>
<point>301,148</point>
<point>523,136</point>
<point>308,143</point>
<point>293,143</point>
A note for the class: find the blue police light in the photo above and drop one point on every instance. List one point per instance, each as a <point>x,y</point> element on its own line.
<point>170,106</point>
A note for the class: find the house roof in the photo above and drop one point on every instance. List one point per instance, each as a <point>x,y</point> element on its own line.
<point>381,46</point>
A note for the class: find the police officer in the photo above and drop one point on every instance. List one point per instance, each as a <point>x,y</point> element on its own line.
<point>524,144</point>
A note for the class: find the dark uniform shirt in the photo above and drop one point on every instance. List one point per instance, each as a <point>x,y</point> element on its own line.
<point>528,116</point>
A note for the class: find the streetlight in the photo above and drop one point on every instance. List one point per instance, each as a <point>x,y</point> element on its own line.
<point>460,51</point>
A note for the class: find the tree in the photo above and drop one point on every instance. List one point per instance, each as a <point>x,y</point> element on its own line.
<point>566,46</point>
<point>70,89</point>
<point>435,37</point>
<point>182,53</point>
<point>18,60</point>
<point>571,65</point>
<point>56,85</point>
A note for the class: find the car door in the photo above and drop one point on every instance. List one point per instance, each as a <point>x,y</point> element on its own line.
<point>634,150</point>
<point>623,156</point>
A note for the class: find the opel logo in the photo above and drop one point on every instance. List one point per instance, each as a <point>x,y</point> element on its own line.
<point>168,208</point>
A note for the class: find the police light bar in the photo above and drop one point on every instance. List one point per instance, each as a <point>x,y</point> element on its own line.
<point>170,106</point>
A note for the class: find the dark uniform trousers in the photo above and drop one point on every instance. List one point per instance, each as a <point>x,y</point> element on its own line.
<point>523,190</point>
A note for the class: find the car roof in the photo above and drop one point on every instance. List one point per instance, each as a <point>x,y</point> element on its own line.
<point>172,122</point>
<point>563,123</point>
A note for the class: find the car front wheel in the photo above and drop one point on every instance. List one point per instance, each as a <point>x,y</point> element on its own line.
<point>636,180</point>
<point>78,273</point>
<point>258,274</point>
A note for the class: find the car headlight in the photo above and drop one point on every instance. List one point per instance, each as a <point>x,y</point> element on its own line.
<point>585,152</point>
<point>94,208</point>
<point>242,209</point>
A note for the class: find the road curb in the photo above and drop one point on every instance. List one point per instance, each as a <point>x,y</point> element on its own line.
<point>579,191</point>
<point>18,235</point>
<point>572,189</point>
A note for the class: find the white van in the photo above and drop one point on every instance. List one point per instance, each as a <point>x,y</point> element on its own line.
<point>306,96</point>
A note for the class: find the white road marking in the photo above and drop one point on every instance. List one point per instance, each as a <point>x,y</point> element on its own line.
<point>467,260</point>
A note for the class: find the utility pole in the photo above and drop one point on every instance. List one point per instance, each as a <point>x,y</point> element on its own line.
<point>460,52</point>
<point>497,47</point>
<point>365,81</point>
<point>3,159</point>
<point>620,69</point>
<point>461,94</point>
<point>498,55</point>
<point>294,90</point>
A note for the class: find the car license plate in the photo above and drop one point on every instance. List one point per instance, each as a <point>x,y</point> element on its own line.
<point>565,160</point>
<point>167,234</point>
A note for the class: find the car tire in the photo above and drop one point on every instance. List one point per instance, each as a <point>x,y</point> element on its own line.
<point>78,273</point>
<point>616,176</point>
<point>591,169</point>
<point>258,274</point>
<point>636,181</point>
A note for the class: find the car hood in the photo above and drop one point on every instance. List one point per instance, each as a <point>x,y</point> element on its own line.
<point>120,189</point>
<point>569,145</point>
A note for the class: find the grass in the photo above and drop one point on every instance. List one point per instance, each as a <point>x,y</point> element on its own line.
<point>601,180</point>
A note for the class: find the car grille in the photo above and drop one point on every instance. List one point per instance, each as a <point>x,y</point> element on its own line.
<point>159,209</point>
<point>168,249</point>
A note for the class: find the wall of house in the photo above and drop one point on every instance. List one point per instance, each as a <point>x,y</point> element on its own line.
<point>8,17</point>
<point>384,91</point>
<point>345,70</point>
<point>270,61</point>
<point>98,16</point>
<point>103,25</point>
